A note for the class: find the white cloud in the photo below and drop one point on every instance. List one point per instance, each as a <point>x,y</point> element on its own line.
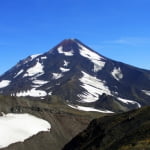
<point>134,41</point>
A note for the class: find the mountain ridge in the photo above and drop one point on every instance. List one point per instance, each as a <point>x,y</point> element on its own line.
<point>124,131</point>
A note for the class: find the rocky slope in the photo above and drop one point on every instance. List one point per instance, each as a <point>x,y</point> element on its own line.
<point>126,131</point>
<point>65,122</point>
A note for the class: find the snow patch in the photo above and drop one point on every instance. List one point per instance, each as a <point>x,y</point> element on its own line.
<point>64,69</point>
<point>66,63</point>
<point>146,92</point>
<point>93,88</point>
<point>57,75</point>
<point>40,82</point>
<point>60,51</point>
<point>36,69</point>
<point>50,93</point>
<point>34,56</point>
<point>129,101</point>
<point>96,59</point>
<point>89,109</point>
<point>117,74</point>
<point>43,57</point>
<point>33,93</point>
<point>28,59</point>
<point>4,83</point>
<point>19,127</point>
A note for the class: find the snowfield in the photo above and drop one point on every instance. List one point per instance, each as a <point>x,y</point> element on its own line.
<point>19,127</point>
<point>93,57</point>
<point>93,88</point>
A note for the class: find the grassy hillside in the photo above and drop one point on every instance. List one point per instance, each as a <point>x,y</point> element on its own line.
<point>126,131</point>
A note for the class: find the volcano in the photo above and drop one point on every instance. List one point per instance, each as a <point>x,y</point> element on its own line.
<point>83,78</point>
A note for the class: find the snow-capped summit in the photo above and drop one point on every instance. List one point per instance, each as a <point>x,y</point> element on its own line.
<point>80,76</point>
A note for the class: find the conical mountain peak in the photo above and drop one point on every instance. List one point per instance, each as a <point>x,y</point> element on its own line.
<point>68,41</point>
<point>73,46</point>
<point>71,43</point>
<point>77,73</point>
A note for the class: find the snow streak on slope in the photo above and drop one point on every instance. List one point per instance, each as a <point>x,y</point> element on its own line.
<point>89,109</point>
<point>117,74</point>
<point>38,83</point>
<point>4,83</point>
<point>60,51</point>
<point>33,93</point>
<point>93,57</point>
<point>21,71</point>
<point>146,92</point>
<point>19,127</point>
<point>64,69</point>
<point>36,69</point>
<point>93,88</point>
<point>129,101</point>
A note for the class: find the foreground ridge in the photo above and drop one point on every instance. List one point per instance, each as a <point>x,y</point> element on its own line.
<point>117,132</point>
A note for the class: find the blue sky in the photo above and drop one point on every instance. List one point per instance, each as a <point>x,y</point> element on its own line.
<point>118,29</point>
